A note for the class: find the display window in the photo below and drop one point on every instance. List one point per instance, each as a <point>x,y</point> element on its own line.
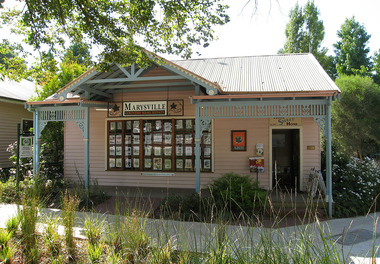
<point>156,145</point>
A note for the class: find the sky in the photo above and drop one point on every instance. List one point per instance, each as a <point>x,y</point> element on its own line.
<point>263,32</point>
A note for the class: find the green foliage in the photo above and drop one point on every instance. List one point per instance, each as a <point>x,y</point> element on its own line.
<point>68,71</point>
<point>231,197</point>
<point>305,33</point>
<point>93,229</point>
<point>12,225</point>
<point>238,194</point>
<point>6,252</point>
<point>28,216</point>
<point>356,185</point>
<point>356,126</point>
<point>51,237</point>
<point>94,252</point>
<point>351,49</point>
<point>69,206</point>
<point>119,27</point>
<point>12,61</point>
<point>188,208</point>
<point>376,67</point>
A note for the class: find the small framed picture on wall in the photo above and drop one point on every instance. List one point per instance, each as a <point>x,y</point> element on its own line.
<point>238,140</point>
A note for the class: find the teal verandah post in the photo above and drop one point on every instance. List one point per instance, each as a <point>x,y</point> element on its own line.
<point>18,156</point>
<point>36,141</point>
<point>86,148</point>
<point>329,157</point>
<point>197,149</point>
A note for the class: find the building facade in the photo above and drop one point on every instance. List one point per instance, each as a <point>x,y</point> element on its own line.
<point>182,124</point>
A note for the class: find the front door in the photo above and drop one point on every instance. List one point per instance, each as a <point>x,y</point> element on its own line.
<point>286,158</point>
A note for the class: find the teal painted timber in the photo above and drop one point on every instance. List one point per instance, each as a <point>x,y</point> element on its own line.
<point>198,134</point>
<point>86,139</point>
<point>329,158</point>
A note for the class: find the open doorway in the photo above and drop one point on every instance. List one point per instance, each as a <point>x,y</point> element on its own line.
<point>286,158</point>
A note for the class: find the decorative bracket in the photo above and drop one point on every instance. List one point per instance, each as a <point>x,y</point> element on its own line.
<point>321,121</point>
<point>205,124</point>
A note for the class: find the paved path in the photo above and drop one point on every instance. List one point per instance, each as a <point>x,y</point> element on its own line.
<point>356,238</point>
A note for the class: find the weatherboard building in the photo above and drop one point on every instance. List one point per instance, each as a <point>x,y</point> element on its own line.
<point>181,124</point>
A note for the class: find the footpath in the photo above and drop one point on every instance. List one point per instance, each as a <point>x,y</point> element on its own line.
<point>357,238</point>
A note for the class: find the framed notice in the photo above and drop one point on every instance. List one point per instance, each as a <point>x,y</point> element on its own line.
<point>207,164</point>
<point>112,163</point>
<point>157,164</point>
<point>148,150</point>
<point>238,140</point>
<point>168,139</point>
<point>119,151</point>
<point>118,163</point>
<point>168,164</point>
<point>179,164</point>
<point>128,163</point>
<point>167,151</point>
<point>188,163</point>
<point>148,163</point>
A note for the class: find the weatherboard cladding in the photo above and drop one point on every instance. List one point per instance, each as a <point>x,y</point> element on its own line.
<point>275,73</point>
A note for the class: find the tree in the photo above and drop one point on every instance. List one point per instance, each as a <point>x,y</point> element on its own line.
<point>52,79</point>
<point>356,119</point>
<point>351,50</point>
<point>305,33</point>
<point>12,63</point>
<point>121,28</point>
<point>376,67</point>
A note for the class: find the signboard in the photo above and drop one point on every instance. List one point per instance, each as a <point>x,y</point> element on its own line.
<point>156,108</point>
<point>285,121</point>
<point>26,147</point>
<point>256,164</point>
<point>146,108</point>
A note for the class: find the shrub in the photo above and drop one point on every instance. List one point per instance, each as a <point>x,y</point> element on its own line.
<point>12,224</point>
<point>69,206</point>
<point>8,192</point>
<point>51,237</point>
<point>236,194</point>
<point>28,216</point>
<point>93,229</point>
<point>356,184</point>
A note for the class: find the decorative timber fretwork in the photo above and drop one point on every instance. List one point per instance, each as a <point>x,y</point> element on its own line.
<point>315,108</point>
<point>205,124</point>
<point>262,109</point>
<point>74,113</point>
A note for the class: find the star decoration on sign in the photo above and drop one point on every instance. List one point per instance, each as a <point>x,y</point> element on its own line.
<point>115,108</point>
<point>173,106</point>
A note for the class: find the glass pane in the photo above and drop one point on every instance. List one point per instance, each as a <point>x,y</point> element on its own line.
<point>157,164</point>
<point>136,126</point>
<point>179,164</point>
<point>168,164</point>
<point>148,163</point>
<point>168,139</point>
<point>167,126</point>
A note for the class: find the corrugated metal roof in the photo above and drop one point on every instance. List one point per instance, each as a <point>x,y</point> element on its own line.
<point>21,91</point>
<point>273,73</point>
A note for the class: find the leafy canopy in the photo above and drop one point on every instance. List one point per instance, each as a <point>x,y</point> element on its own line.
<point>12,61</point>
<point>305,33</point>
<point>351,49</point>
<point>356,119</point>
<point>376,67</point>
<point>120,28</point>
